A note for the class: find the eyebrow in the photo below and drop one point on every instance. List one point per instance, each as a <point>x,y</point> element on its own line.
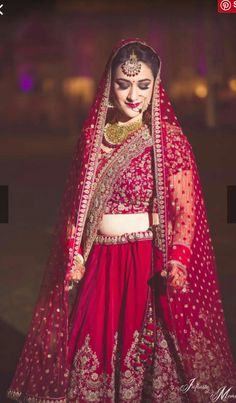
<point>128,81</point>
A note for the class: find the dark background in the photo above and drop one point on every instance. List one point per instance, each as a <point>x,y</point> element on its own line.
<point>52,54</point>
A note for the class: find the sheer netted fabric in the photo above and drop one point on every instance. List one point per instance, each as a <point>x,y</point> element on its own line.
<point>196,316</point>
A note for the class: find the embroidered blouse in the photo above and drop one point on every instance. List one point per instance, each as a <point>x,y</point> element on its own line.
<point>134,191</point>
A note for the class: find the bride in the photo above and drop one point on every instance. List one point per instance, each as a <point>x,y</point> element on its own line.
<point>129,308</point>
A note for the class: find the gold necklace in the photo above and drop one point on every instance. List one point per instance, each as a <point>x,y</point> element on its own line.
<point>115,133</point>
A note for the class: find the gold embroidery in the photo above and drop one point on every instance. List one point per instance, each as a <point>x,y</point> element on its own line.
<point>91,167</point>
<point>178,150</point>
<point>120,239</point>
<point>159,168</point>
<point>141,374</point>
<point>86,382</point>
<point>140,196</point>
<point>166,380</point>
<point>16,395</point>
<point>158,236</point>
<point>207,358</point>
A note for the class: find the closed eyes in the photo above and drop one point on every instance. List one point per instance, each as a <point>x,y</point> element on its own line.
<point>142,85</point>
<point>125,87</point>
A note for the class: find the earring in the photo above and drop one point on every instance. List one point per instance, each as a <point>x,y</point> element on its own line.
<point>110,105</point>
<point>146,105</point>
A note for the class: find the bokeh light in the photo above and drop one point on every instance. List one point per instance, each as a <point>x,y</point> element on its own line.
<point>83,87</point>
<point>232,84</point>
<point>201,90</point>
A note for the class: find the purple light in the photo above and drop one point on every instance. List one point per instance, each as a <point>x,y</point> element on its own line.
<point>202,69</point>
<point>26,82</point>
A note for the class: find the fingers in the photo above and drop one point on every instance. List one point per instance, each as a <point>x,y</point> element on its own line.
<point>177,281</point>
<point>73,277</point>
<point>76,273</point>
<point>164,273</point>
<point>177,277</point>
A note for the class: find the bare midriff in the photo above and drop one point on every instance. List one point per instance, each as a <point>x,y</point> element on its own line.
<point>118,224</point>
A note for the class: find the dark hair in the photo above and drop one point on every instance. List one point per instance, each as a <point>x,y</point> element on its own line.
<point>144,54</point>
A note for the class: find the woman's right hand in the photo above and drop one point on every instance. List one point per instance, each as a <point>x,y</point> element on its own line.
<point>76,273</point>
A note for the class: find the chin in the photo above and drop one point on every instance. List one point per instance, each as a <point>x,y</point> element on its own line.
<point>129,114</point>
<point>132,115</point>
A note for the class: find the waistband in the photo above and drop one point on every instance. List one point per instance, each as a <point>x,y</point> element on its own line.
<point>124,238</point>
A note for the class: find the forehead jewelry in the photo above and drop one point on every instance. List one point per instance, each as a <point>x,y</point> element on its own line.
<point>132,66</point>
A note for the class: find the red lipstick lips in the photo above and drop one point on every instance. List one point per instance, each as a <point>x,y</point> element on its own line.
<point>132,106</point>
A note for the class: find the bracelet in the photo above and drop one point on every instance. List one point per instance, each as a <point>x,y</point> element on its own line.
<point>79,258</point>
<point>181,265</point>
<point>79,270</point>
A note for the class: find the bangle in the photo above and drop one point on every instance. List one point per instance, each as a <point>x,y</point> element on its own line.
<point>79,258</point>
<point>181,265</point>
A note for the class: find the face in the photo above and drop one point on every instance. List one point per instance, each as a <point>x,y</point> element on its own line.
<point>131,95</point>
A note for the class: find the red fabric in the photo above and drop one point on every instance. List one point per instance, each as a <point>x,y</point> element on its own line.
<point>134,192</point>
<point>197,317</point>
<point>71,243</point>
<point>110,353</point>
<point>180,253</point>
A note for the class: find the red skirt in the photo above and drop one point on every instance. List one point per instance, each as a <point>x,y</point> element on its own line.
<point>121,347</point>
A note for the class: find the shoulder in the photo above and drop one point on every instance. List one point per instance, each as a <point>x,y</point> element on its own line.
<point>178,148</point>
<point>175,137</point>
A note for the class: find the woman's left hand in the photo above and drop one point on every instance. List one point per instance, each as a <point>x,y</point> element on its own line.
<point>176,276</point>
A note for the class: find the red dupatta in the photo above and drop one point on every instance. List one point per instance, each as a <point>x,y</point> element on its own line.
<point>197,315</point>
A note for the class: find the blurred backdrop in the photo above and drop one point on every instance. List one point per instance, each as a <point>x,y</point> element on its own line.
<point>52,55</point>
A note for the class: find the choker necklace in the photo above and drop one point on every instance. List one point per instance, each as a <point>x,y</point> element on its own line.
<point>115,133</point>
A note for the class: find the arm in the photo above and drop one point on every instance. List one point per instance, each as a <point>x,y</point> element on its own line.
<point>182,202</point>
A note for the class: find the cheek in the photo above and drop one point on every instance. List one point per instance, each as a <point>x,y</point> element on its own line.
<point>119,96</point>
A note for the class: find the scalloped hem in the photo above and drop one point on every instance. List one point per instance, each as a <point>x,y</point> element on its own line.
<point>16,395</point>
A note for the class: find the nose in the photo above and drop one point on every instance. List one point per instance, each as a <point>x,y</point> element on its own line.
<point>132,95</point>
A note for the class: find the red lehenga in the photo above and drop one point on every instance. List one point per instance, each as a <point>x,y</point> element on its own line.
<point>129,336</point>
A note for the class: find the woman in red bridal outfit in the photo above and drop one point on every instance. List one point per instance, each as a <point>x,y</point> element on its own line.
<point>132,250</point>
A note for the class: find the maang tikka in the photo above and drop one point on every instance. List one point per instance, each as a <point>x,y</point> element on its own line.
<point>132,66</point>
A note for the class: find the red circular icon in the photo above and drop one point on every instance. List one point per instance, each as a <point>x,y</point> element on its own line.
<point>225,5</point>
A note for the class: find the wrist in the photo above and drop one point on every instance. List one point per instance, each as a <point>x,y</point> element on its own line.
<point>77,269</point>
<point>178,264</point>
<point>180,254</point>
<point>79,258</point>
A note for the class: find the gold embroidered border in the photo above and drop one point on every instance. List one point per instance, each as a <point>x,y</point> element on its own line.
<point>91,170</point>
<point>159,168</point>
<point>15,395</point>
<point>124,238</point>
<point>157,374</point>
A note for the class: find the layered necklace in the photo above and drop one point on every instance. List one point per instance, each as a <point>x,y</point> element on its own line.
<point>116,133</point>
